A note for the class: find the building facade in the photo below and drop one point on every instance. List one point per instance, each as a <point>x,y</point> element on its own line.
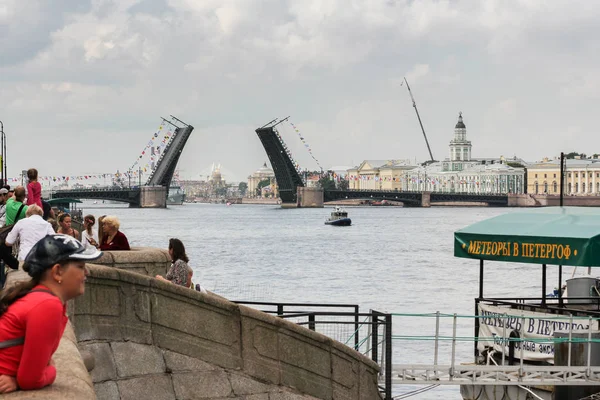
<point>459,173</point>
<point>258,176</point>
<point>379,174</point>
<point>582,177</point>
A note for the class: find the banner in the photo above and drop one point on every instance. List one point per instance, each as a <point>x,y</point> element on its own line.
<point>535,329</point>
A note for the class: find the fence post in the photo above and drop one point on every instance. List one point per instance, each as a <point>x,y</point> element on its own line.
<point>374,338</point>
<point>356,327</point>
<point>437,335</point>
<point>311,322</point>
<point>388,357</point>
<point>279,309</point>
<point>453,348</point>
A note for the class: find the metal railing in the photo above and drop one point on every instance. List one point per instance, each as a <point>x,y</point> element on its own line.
<point>376,342</point>
<point>503,360</point>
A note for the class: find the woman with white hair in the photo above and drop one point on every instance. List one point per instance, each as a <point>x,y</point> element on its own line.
<point>112,238</point>
<point>29,230</point>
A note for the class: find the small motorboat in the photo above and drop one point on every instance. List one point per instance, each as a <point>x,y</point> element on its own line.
<point>339,217</point>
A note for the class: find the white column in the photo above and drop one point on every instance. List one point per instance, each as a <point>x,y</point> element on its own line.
<point>594,182</point>
<point>579,182</point>
<point>572,182</point>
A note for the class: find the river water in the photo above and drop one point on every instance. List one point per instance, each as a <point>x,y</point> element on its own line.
<point>391,259</point>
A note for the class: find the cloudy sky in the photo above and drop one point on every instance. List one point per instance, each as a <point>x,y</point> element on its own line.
<point>83,83</point>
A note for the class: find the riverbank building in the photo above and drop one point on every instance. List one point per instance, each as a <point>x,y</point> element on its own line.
<point>459,173</point>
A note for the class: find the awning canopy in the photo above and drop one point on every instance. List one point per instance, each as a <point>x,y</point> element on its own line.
<point>552,235</point>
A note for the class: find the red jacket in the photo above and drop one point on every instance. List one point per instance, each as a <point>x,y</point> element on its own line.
<point>40,318</point>
<point>34,194</point>
<point>119,242</point>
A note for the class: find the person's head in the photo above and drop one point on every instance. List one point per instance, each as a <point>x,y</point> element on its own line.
<point>32,174</point>
<point>34,209</point>
<point>64,220</point>
<point>19,193</point>
<point>3,195</point>
<point>57,262</point>
<point>88,222</point>
<point>177,250</point>
<point>110,224</point>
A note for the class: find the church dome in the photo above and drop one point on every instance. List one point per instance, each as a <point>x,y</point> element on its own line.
<point>460,124</point>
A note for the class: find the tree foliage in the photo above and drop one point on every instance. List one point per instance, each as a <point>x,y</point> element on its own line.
<point>243,188</point>
<point>326,183</point>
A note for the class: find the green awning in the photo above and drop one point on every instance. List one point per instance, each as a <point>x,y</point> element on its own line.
<point>552,235</point>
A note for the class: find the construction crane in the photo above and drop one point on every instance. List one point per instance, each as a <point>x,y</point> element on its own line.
<point>420,123</point>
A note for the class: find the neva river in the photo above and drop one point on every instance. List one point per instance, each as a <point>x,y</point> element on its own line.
<point>392,259</point>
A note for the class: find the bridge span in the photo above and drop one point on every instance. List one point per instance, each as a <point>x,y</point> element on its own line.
<point>154,193</point>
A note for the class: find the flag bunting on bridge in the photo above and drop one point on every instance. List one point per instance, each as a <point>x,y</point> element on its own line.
<point>295,128</point>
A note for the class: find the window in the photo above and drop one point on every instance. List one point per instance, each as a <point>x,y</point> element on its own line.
<point>590,174</point>
<point>545,175</point>
<point>536,175</point>
<point>536,188</point>
<point>545,188</point>
<point>554,185</point>
<point>583,187</point>
<point>555,175</point>
<point>576,174</point>
<point>576,187</point>
<point>570,191</point>
<point>569,174</point>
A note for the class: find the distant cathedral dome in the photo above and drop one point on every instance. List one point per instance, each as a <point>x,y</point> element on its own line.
<point>460,124</point>
<point>264,171</point>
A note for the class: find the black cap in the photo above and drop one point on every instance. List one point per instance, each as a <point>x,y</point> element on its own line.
<point>53,249</point>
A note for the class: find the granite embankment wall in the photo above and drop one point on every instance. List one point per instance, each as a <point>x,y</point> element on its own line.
<point>154,340</point>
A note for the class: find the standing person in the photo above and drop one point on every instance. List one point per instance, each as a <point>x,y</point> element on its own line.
<point>33,313</point>
<point>34,189</point>
<point>3,198</point>
<point>179,272</point>
<point>88,236</point>
<point>29,231</point>
<point>64,223</point>
<point>113,239</point>
<point>13,205</point>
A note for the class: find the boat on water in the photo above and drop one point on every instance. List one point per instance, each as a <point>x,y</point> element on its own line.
<point>339,217</point>
<point>176,196</point>
<point>549,336</point>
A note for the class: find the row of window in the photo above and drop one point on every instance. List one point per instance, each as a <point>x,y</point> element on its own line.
<point>576,175</point>
<point>569,187</point>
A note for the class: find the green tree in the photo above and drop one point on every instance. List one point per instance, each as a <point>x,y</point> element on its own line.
<point>243,188</point>
<point>326,183</point>
<point>221,192</point>
<point>343,184</point>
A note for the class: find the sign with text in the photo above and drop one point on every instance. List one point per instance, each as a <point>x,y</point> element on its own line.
<point>535,329</point>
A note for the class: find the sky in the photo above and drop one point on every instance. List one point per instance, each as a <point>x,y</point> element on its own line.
<point>83,83</point>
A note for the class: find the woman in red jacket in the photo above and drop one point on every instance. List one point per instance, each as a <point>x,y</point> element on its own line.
<point>33,313</point>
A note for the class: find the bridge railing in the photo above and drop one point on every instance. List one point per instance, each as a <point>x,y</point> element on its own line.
<point>369,333</point>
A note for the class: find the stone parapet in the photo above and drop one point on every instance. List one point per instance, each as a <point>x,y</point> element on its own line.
<point>155,340</point>
<point>143,260</point>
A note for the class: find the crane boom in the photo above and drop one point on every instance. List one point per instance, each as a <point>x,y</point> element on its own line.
<point>419,117</point>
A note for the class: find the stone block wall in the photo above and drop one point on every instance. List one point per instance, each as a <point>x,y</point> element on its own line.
<point>155,340</point>
<point>143,260</point>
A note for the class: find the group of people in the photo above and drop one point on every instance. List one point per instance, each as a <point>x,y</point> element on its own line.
<point>33,312</point>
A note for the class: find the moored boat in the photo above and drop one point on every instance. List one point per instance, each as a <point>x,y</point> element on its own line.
<point>339,217</point>
<point>552,331</point>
